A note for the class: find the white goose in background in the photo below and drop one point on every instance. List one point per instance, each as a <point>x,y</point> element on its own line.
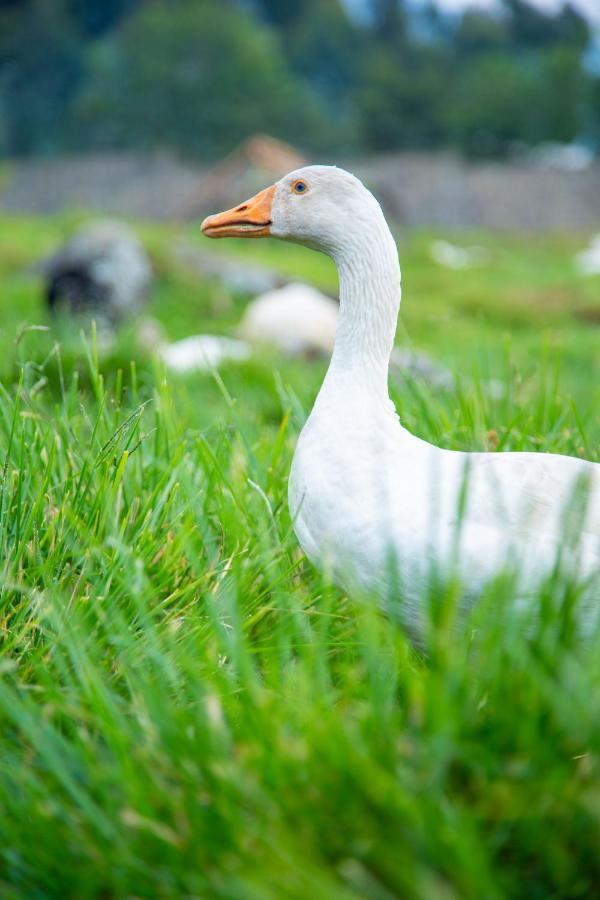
<point>364,493</point>
<point>297,319</point>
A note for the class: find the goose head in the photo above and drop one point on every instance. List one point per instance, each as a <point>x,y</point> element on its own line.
<point>322,207</point>
<point>328,209</point>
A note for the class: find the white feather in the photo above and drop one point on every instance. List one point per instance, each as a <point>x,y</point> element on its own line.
<point>202,352</point>
<point>362,489</point>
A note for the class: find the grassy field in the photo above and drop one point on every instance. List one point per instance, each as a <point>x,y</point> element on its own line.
<point>187,709</point>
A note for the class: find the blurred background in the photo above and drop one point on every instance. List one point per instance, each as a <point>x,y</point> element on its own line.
<point>456,110</point>
<point>475,122</point>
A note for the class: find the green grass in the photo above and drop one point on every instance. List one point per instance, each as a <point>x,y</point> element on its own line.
<point>186,708</point>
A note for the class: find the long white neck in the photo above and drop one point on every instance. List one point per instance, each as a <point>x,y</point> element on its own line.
<point>369,275</point>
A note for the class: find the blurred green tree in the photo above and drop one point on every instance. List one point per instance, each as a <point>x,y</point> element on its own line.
<point>199,78</point>
<point>532,27</point>
<point>401,99</point>
<point>479,32</point>
<point>41,69</point>
<point>95,18</point>
<point>494,105</point>
<point>402,87</point>
<point>324,50</point>
<point>199,75</point>
<point>561,102</point>
<point>282,13</point>
<point>520,79</point>
<point>389,21</point>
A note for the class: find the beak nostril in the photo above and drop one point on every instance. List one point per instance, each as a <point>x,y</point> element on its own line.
<point>250,219</point>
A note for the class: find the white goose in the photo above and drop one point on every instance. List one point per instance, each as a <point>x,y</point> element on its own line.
<point>371,502</point>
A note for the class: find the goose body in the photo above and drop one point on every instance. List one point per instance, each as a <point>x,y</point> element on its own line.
<point>371,503</point>
<point>365,493</point>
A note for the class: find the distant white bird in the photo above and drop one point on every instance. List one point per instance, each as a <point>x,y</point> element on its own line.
<point>198,353</point>
<point>588,261</point>
<point>203,352</point>
<point>452,257</point>
<point>297,318</point>
<point>370,502</point>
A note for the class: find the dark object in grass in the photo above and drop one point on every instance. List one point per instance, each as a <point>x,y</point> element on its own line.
<point>102,272</point>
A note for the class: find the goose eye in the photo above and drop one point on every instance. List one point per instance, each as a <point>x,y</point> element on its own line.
<point>299,187</point>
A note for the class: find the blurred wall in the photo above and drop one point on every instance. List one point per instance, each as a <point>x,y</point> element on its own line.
<point>422,190</point>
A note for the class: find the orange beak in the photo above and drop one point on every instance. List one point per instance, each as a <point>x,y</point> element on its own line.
<point>251,219</point>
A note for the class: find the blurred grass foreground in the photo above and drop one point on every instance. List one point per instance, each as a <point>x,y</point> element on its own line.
<point>187,707</point>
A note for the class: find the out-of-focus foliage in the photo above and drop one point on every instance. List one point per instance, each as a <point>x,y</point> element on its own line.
<point>41,69</point>
<point>202,76</point>
<point>199,75</point>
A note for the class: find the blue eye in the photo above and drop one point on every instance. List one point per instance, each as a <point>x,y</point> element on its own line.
<point>299,187</point>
